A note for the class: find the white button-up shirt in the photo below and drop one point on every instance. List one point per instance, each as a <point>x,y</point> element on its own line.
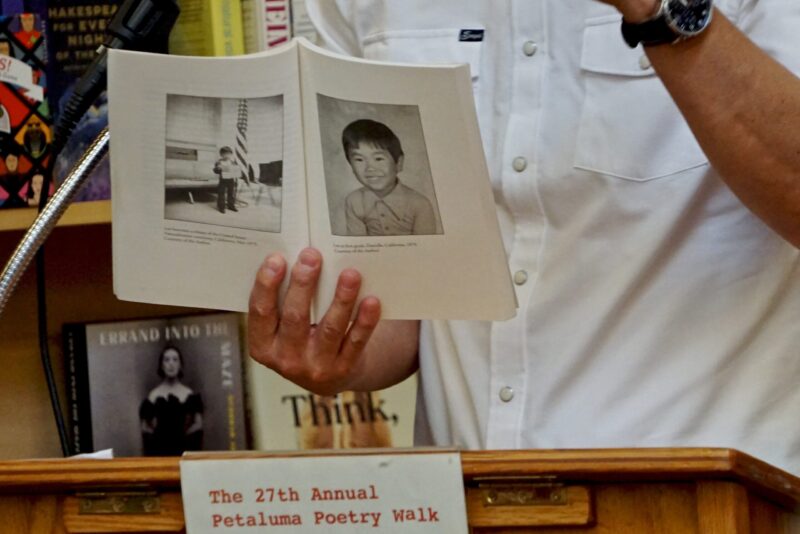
<point>657,310</point>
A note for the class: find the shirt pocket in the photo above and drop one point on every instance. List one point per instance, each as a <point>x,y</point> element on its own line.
<point>630,128</point>
<point>430,47</point>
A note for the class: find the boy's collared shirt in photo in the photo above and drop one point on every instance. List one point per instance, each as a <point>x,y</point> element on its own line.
<point>404,211</point>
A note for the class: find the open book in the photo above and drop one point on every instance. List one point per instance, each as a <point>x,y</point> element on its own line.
<point>217,162</point>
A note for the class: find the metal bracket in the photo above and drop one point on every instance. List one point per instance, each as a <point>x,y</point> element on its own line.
<point>521,491</point>
<point>119,502</point>
<point>527,501</point>
<point>523,495</point>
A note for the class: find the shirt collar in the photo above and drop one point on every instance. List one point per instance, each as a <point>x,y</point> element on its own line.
<point>396,201</point>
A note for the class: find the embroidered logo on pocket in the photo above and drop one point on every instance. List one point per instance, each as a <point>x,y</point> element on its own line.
<point>470,35</point>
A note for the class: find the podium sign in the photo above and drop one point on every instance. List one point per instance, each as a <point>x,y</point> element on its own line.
<point>403,492</point>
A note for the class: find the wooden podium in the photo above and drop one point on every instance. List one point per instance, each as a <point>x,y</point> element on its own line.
<point>613,491</point>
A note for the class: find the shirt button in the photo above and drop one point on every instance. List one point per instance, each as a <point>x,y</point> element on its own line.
<point>506,394</point>
<point>529,48</point>
<point>644,62</point>
<point>519,164</point>
<point>520,277</point>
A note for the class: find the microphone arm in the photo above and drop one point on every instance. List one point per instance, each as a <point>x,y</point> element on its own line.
<point>49,216</point>
<point>142,25</point>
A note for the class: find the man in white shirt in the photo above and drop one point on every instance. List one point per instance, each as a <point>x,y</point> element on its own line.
<point>650,205</point>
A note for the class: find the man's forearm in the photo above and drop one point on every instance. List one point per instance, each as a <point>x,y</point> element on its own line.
<point>390,355</point>
<point>744,109</point>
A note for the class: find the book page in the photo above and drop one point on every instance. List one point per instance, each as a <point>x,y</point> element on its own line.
<point>399,189</point>
<point>207,174</point>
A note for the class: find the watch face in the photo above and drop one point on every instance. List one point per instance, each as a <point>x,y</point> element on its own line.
<point>689,17</point>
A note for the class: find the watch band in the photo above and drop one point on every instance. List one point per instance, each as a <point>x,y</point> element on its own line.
<point>673,21</point>
<point>649,33</point>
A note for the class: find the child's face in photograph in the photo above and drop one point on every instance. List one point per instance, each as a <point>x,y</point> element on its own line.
<point>374,167</point>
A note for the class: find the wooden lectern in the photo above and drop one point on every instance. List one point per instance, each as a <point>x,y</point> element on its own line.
<point>613,491</point>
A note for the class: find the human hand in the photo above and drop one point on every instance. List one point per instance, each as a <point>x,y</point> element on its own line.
<point>325,358</point>
<point>635,10</point>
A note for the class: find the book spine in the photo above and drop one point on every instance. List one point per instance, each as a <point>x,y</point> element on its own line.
<point>25,120</point>
<point>76,28</point>
<point>224,32</point>
<point>186,37</point>
<point>76,361</point>
<point>266,23</point>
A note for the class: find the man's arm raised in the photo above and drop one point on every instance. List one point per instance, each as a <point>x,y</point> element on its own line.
<point>334,355</point>
<point>744,110</point>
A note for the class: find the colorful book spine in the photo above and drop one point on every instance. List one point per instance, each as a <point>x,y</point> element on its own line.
<point>208,28</point>
<point>266,24</point>
<point>25,119</point>
<point>224,27</point>
<point>76,28</point>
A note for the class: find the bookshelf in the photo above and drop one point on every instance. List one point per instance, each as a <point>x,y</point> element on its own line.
<point>78,259</point>
<point>81,213</point>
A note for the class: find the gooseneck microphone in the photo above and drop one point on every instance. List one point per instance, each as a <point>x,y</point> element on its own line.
<point>142,25</point>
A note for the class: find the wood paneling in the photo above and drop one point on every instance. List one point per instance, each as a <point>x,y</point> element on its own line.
<point>622,491</point>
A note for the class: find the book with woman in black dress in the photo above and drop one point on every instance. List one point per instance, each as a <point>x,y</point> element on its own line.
<point>172,413</point>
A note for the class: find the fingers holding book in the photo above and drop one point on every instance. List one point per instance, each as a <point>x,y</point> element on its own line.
<point>323,358</point>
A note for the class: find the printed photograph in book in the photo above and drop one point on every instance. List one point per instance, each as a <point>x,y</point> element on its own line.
<point>156,387</point>
<point>284,416</point>
<point>380,167</point>
<point>377,174</point>
<point>224,161</point>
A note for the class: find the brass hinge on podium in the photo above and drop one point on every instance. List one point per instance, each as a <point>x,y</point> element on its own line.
<point>129,501</point>
<point>527,501</point>
<point>132,508</point>
<point>530,491</point>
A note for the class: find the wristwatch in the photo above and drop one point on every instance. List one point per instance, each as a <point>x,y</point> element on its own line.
<point>675,20</point>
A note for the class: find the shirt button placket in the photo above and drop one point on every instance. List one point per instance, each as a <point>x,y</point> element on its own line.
<point>509,354</point>
<point>529,48</point>
<point>506,394</point>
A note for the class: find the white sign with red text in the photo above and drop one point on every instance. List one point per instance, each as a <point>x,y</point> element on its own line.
<point>376,492</point>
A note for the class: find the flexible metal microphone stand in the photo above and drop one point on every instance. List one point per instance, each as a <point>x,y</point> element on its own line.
<point>46,220</point>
